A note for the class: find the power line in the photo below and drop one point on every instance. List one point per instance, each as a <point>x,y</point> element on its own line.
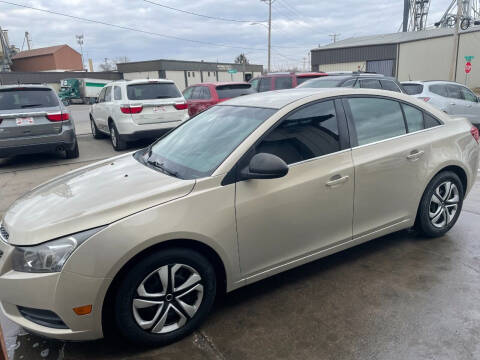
<point>291,8</point>
<point>201,15</point>
<point>130,28</point>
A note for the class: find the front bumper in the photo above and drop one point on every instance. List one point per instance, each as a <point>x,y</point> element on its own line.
<point>56,292</point>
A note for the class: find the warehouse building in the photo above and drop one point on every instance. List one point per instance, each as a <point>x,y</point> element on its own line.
<point>52,58</point>
<point>186,73</point>
<point>421,55</point>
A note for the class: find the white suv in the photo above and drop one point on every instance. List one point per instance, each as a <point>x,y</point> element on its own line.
<point>132,110</point>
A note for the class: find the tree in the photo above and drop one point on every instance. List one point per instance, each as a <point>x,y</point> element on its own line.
<point>241,59</point>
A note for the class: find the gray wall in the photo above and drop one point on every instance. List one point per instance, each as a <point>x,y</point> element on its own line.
<point>352,54</point>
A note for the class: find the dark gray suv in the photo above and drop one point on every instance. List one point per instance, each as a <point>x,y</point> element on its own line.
<point>34,120</point>
<point>354,80</point>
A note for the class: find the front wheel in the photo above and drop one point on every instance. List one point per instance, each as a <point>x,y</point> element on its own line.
<point>441,204</point>
<point>165,297</point>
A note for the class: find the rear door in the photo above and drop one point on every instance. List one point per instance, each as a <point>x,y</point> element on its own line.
<point>457,104</point>
<point>158,102</point>
<point>29,111</point>
<point>473,106</point>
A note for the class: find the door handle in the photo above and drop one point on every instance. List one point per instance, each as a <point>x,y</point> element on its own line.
<point>337,180</point>
<point>415,155</point>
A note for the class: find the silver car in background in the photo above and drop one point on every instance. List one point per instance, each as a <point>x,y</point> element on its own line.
<point>34,120</point>
<point>450,97</point>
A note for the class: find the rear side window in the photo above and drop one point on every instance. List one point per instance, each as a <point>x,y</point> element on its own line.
<point>414,118</point>
<point>283,82</point>
<point>117,93</point>
<point>152,91</point>
<point>439,90</point>
<point>430,121</point>
<point>265,84</point>
<point>27,98</point>
<point>308,133</point>
<point>370,84</point>
<point>231,91</point>
<point>413,89</point>
<point>389,85</point>
<point>376,119</point>
<point>349,83</point>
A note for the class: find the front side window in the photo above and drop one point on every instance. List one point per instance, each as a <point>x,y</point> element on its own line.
<point>370,84</point>
<point>307,133</point>
<point>454,92</point>
<point>438,90</point>
<point>414,118</point>
<point>283,82</point>
<point>376,119</point>
<point>196,148</point>
<point>101,97</point>
<point>468,95</point>
<point>108,94</point>
<point>389,85</point>
<point>254,83</point>
<point>265,84</point>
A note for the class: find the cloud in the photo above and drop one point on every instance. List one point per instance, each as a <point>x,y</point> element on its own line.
<point>297,27</point>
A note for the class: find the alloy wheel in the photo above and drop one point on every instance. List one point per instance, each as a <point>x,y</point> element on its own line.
<point>113,136</point>
<point>92,126</point>
<point>444,204</point>
<point>168,298</point>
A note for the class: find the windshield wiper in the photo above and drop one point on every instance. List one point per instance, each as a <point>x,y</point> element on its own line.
<point>30,105</point>
<point>162,168</point>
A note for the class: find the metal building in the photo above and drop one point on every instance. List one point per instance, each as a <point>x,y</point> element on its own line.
<point>419,55</point>
<point>186,73</point>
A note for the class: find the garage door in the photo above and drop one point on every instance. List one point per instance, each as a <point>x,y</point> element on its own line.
<point>384,67</point>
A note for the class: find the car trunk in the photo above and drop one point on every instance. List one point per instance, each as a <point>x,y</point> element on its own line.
<point>20,123</point>
<point>157,111</point>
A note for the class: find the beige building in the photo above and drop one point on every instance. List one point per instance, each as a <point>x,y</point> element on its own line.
<point>421,55</point>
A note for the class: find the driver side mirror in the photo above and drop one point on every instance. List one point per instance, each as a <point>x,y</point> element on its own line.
<point>265,166</point>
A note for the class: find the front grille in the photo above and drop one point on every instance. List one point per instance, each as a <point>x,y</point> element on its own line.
<point>4,233</point>
<point>42,317</point>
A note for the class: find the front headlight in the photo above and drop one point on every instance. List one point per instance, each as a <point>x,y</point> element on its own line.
<point>50,256</point>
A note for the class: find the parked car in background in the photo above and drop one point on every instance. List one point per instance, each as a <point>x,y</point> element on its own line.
<point>279,81</point>
<point>34,120</point>
<point>450,97</point>
<point>355,80</point>
<point>249,188</point>
<point>202,96</point>
<point>137,109</point>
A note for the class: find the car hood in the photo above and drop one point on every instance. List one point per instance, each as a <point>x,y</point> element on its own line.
<point>92,196</point>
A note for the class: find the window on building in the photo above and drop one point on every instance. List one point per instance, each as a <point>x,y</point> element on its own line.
<point>188,73</point>
<point>310,132</point>
<point>376,119</point>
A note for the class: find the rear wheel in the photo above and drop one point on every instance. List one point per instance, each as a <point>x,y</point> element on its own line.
<point>117,142</point>
<point>441,204</point>
<point>95,132</point>
<point>165,297</point>
<point>73,153</point>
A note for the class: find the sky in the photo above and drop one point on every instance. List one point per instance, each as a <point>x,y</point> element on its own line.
<point>297,27</point>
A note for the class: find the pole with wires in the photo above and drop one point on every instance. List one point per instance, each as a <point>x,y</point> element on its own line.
<point>269,2</point>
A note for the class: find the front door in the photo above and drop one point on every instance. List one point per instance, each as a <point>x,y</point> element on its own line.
<point>280,221</point>
<point>473,106</point>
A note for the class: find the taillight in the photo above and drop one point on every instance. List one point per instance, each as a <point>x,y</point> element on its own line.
<point>426,99</point>
<point>58,116</point>
<point>475,133</point>
<point>183,106</point>
<point>131,109</point>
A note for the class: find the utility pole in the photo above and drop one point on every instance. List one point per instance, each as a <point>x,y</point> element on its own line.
<point>453,66</point>
<point>80,42</point>
<point>334,37</point>
<point>269,2</point>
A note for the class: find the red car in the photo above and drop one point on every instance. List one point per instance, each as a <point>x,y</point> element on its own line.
<point>201,96</point>
<point>278,81</point>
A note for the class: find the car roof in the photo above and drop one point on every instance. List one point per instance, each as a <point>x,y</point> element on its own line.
<point>25,85</point>
<point>139,81</point>
<point>220,83</point>
<point>280,98</point>
<point>422,82</point>
<point>299,74</point>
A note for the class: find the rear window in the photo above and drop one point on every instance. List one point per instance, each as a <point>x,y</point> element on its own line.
<point>152,91</point>
<point>231,91</point>
<point>302,79</point>
<point>27,98</point>
<point>413,89</point>
<point>322,83</point>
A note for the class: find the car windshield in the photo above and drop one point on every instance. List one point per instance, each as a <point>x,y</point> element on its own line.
<point>196,148</point>
<point>26,98</point>
<point>153,90</point>
<point>231,91</point>
<point>321,83</point>
<point>413,89</point>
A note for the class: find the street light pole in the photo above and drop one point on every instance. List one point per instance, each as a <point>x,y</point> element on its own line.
<point>270,2</point>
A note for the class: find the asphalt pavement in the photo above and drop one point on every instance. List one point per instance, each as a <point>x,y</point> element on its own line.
<point>398,297</point>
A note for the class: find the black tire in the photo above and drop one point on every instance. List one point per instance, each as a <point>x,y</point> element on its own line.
<point>73,153</point>
<point>127,292</point>
<point>115,138</point>
<point>429,205</point>
<point>95,132</point>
